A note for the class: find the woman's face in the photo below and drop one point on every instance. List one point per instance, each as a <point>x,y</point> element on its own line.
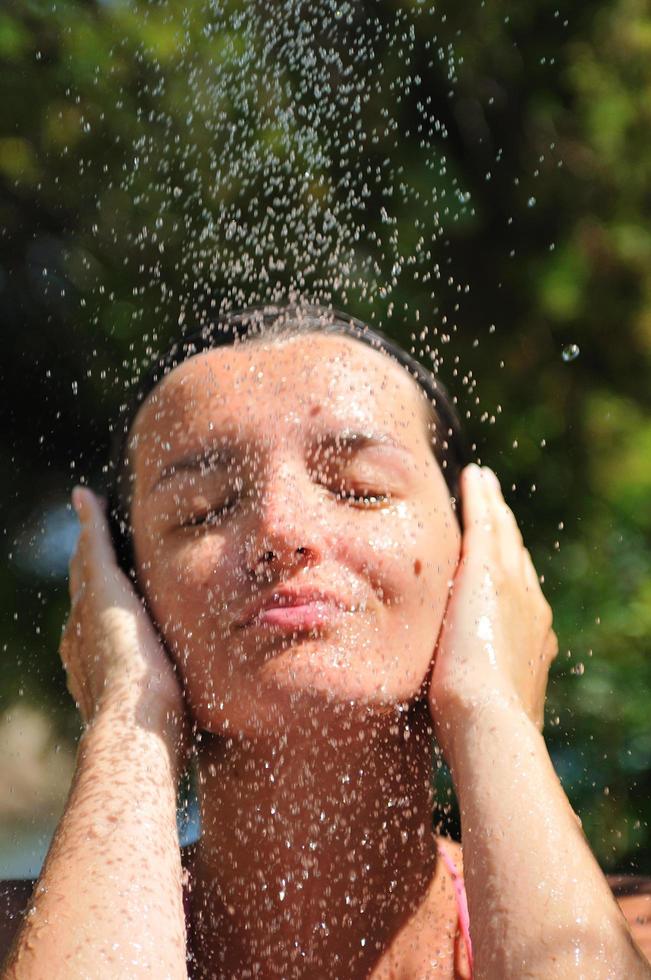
<point>293,532</point>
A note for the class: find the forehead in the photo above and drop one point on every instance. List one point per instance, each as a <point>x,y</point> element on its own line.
<point>270,387</point>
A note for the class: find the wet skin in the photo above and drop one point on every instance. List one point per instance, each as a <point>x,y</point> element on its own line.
<point>313,450</point>
<point>315,857</point>
<point>311,460</point>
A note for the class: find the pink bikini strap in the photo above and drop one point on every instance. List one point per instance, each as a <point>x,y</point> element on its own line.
<point>462,901</point>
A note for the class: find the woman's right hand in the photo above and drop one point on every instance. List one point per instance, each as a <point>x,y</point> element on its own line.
<point>110,650</point>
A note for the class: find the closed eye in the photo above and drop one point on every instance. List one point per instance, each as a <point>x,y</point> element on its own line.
<point>367,498</point>
<point>212,516</point>
<point>354,496</point>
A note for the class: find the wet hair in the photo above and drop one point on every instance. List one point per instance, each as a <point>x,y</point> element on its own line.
<point>268,323</point>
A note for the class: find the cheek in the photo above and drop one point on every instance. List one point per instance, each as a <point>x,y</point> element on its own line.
<point>408,556</point>
<point>380,549</point>
<point>435,564</point>
<point>199,563</point>
<point>189,584</point>
<point>410,561</point>
<point>191,599</point>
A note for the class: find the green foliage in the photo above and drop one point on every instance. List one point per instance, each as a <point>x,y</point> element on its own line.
<point>120,222</point>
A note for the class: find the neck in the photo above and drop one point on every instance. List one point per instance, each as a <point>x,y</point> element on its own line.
<point>316,845</point>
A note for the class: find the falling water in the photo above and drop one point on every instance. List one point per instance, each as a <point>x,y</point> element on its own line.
<point>339,152</point>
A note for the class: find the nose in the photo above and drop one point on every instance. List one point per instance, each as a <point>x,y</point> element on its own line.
<point>287,532</point>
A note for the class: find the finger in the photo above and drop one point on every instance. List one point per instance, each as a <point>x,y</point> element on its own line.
<point>545,613</point>
<point>529,573</point>
<point>75,575</point>
<point>91,513</point>
<point>77,564</point>
<point>550,648</point>
<point>474,502</point>
<point>64,644</point>
<point>507,523</point>
<point>69,639</point>
<point>77,592</point>
<point>78,567</point>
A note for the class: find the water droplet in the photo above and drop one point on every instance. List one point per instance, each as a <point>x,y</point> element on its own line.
<point>570,353</point>
<point>531,202</point>
<point>177,193</point>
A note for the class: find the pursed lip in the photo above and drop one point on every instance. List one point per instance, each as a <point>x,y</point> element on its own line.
<point>284,598</point>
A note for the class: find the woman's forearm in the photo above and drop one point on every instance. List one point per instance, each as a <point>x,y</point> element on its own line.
<point>109,900</point>
<point>539,903</point>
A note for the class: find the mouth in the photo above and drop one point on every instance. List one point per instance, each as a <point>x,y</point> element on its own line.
<point>294,610</point>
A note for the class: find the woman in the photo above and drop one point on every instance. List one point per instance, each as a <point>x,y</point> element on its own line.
<point>286,500</point>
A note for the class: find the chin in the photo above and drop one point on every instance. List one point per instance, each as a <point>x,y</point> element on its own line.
<point>309,677</point>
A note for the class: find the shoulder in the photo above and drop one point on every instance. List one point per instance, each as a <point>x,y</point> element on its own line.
<point>453,850</point>
<point>14,897</point>
<point>451,854</point>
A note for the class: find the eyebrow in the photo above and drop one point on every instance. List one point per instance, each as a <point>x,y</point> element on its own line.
<point>209,458</point>
<point>356,439</point>
<point>212,458</point>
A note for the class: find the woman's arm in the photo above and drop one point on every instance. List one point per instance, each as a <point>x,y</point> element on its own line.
<point>539,903</point>
<point>109,900</point>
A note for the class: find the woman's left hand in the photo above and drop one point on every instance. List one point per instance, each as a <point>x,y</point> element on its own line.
<point>496,642</point>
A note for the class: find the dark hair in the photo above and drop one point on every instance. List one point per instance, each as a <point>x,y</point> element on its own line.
<point>264,323</point>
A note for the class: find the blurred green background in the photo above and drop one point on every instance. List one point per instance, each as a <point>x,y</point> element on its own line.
<point>476,169</point>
